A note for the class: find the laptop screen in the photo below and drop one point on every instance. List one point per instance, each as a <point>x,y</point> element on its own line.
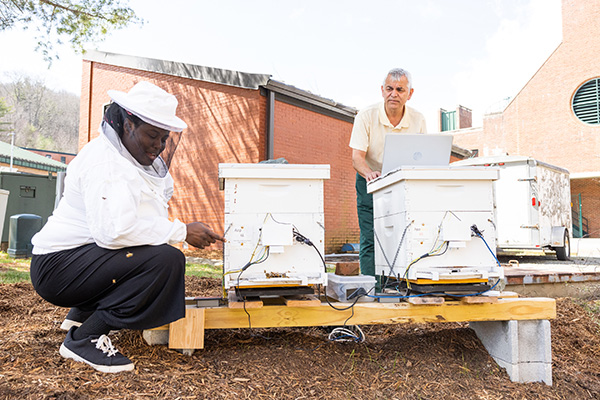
<point>415,149</point>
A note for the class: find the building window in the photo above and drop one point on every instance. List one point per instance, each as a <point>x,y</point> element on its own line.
<point>48,155</point>
<point>63,159</point>
<point>586,102</point>
<point>448,120</point>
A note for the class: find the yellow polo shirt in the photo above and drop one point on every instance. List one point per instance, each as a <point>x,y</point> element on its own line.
<point>372,124</point>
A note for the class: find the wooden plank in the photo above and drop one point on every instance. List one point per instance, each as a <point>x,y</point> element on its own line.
<point>378,313</point>
<point>188,332</point>
<point>478,299</point>
<point>306,300</point>
<point>234,302</point>
<point>381,313</point>
<point>426,300</point>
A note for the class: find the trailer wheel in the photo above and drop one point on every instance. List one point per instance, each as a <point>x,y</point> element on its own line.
<point>564,253</point>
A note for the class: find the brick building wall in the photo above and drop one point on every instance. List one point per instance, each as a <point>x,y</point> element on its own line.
<point>308,137</point>
<point>227,124</point>
<point>465,117</point>
<point>590,204</point>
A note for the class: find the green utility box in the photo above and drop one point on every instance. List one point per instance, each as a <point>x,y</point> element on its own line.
<point>22,228</point>
<point>29,194</point>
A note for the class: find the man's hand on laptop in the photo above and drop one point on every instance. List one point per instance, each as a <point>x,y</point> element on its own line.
<point>372,175</point>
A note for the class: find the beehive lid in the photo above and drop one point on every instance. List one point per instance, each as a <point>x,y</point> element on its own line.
<point>274,171</point>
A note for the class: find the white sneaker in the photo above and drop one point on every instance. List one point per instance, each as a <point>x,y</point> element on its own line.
<point>97,352</point>
<point>68,324</point>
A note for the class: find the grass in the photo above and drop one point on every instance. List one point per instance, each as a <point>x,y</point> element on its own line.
<point>10,275</point>
<point>204,270</point>
<point>13,270</point>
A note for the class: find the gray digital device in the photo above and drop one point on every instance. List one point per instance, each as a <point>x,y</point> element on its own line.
<point>416,149</point>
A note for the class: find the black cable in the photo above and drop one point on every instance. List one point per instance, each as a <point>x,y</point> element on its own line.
<point>303,239</point>
<point>479,234</point>
<point>348,319</point>
<point>393,263</point>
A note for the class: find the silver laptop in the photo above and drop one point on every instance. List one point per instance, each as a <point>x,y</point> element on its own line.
<point>415,149</point>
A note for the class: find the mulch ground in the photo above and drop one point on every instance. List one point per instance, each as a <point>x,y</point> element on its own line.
<point>413,361</point>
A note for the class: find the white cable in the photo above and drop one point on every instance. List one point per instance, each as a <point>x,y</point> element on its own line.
<point>343,334</point>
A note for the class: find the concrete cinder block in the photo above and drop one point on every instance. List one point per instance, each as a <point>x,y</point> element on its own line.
<point>155,337</point>
<point>535,372</point>
<point>523,348</point>
<point>534,341</point>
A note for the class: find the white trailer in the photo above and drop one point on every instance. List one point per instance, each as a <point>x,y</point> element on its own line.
<point>532,205</point>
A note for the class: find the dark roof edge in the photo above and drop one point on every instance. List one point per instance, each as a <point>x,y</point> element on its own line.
<point>308,97</point>
<point>33,150</point>
<point>460,152</point>
<point>191,71</point>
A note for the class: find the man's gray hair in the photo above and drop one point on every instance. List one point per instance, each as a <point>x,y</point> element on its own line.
<point>398,73</point>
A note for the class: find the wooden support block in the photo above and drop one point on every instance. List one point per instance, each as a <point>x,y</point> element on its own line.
<point>188,332</point>
<point>159,328</point>
<point>347,268</point>
<point>479,300</point>
<point>426,300</point>
<point>304,300</point>
<point>234,302</point>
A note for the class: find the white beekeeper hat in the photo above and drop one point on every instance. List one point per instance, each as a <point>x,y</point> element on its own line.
<point>151,104</point>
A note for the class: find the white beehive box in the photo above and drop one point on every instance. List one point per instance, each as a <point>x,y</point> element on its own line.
<point>264,205</point>
<point>417,209</point>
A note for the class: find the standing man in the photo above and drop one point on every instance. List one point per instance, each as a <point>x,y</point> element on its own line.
<point>368,136</point>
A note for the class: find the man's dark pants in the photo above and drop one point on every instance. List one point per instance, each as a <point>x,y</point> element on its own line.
<point>364,207</point>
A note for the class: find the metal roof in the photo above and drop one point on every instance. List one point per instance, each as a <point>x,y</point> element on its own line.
<point>308,97</point>
<point>29,159</point>
<point>216,75</point>
<point>191,71</point>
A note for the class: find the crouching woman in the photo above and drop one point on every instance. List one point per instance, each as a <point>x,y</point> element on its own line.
<point>106,250</point>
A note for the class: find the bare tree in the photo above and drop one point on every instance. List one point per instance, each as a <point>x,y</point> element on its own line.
<point>41,118</point>
<point>4,110</point>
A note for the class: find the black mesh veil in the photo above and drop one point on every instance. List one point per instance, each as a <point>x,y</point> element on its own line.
<point>115,116</point>
<point>170,148</point>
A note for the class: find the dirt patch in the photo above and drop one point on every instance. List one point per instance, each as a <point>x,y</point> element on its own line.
<point>210,254</point>
<point>413,361</point>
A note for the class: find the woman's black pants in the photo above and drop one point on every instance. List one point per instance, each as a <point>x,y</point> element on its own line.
<point>138,287</point>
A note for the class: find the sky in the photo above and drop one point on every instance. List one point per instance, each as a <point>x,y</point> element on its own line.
<point>474,53</point>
